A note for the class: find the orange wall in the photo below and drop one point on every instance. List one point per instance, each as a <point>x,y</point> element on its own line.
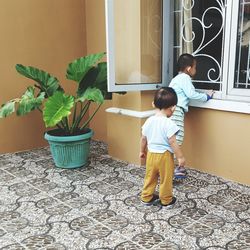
<point>123,137</point>
<point>219,143</point>
<point>95,31</point>
<point>96,42</point>
<point>42,33</point>
<point>216,142</point>
<point>106,125</point>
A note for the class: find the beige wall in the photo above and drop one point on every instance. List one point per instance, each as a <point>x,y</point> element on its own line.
<point>42,33</point>
<point>95,37</point>
<point>105,125</point>
<point>128,51</point>
<point>216,142</point>
<point>123,137</point>
<point>219,143</point>
<point>151,40</point>
<point>96,42</point>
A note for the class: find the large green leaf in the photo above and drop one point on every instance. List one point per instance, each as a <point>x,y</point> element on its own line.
<point>101,79</point>
<point>92,94</point>
<point>29,102</point>
<point>7,109</point>
<point>56,108</point>
<point>96,77</point>
<point>79,67</point>
<point>47,83</point>
<point>88,81</point>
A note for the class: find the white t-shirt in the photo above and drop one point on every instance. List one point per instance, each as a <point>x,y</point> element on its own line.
<point>158,129</point>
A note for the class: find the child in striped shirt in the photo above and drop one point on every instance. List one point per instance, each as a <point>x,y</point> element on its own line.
<point>182,84</point>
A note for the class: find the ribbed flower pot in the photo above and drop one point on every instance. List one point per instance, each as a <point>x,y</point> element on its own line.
<point>69,151</point>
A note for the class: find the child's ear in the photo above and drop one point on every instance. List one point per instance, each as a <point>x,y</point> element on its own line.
<point>153,105</point>
<point>173,108</point>
<point>188,69</point>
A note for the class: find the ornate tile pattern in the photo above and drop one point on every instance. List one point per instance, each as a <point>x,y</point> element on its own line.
<point>98,207</point>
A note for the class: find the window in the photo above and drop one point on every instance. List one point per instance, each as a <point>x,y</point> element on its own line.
<point>199,29</point>
<point>136,38</point>
<point>216,32</point>
<point>240,40</point>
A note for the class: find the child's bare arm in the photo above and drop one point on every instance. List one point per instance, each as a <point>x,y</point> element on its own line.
<point>143,146</point>
<point>177,150</point>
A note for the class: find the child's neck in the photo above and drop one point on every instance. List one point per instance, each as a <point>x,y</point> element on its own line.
<point>160,112</point>
<point>185,72</point>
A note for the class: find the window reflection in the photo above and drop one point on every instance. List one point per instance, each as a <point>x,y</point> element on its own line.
<point>199,30</point>
<point>138,41</point>
<point>242,67</point>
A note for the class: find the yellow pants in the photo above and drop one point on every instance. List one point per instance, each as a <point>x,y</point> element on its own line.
<point>159,165</point>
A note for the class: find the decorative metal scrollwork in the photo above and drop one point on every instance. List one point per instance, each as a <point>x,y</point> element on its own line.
<point>214,73</point>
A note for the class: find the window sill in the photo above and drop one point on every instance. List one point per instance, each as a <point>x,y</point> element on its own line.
<point>223,105</point>
<point>132,113</point>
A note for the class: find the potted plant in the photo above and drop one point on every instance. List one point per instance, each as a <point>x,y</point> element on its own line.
<point>68,115</point>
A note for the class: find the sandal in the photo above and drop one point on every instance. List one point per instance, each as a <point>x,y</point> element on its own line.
<point>180,173</point>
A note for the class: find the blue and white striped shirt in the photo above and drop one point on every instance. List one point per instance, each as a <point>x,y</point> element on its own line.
<point>185,90</point>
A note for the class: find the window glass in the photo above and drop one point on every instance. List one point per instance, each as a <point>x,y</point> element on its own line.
<point>199,30</point>
<point>242,65</point>
<point>138,28</point>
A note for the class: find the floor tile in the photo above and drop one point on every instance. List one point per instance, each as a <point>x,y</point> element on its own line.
<point>98,207</point>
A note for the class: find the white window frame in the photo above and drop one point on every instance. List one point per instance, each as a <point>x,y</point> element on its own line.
<point>227,99</point>
<point>229,45</point>
<point>235,93</point>
<point>166,55</point>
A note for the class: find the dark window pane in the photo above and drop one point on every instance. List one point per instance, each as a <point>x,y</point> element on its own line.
<point>199,30</point>
<point>242,66</point>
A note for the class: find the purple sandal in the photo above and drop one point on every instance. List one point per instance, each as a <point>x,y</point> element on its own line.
<point>180,173</point>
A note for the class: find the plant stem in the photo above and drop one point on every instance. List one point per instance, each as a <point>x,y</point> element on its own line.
<point>37,86</point>
<point>90,118</point>
<point>41,89</point>
<point>74,115</point>
<point>81,115</point>
<point>64,124</point>
<point>67,124</point>
<point>84,111</point>
<point>39,109</point>
<point>59,126</point>
<point>74,118</point>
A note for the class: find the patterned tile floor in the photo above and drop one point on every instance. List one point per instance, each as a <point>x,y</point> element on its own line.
<point>98,207</point>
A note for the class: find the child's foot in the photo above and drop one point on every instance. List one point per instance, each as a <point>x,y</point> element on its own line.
<point>152,201</point>
<point>166,205</point>
<point>180,173</point>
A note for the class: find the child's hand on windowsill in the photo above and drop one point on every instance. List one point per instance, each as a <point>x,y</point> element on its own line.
<point>210,94</point>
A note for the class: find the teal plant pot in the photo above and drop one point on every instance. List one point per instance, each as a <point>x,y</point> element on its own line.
<point>70,151</point>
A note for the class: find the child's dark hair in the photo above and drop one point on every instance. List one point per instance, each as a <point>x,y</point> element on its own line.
<point>164,98</point>
<point>184,61</point>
